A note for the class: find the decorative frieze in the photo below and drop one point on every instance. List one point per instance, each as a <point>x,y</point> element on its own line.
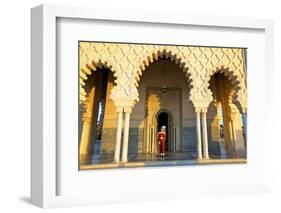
<point>129,61</point>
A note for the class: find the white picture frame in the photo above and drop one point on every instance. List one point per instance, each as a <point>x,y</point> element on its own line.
<point>44,162</point>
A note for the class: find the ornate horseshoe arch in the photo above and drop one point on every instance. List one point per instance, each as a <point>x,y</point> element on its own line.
<point>235,80</point>
<point>232,77</point>
<point>87,70</point>
<point>159,53</point>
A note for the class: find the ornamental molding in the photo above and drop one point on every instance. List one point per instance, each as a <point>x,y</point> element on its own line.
<point>129,61</point>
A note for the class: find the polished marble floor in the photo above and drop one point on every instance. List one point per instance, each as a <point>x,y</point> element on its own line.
<point>148,159</point>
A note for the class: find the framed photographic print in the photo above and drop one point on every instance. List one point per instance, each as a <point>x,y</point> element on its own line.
<point>130,106</point>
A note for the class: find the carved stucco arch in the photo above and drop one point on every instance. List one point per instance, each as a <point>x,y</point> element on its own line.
<point>236,81</point>
<point>128,61</point>
<point>157,113</point>
<point>88,70</point>
<point>212,60</point>
<point>159,53</point>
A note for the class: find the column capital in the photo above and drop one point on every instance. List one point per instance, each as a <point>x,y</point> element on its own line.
<point>198,110</point>
<point>128,109</point>
<point>119,109</point>
<point>201,109</point>
<point>204,110</point>
<point>200,102</point>
<point>124,103</point>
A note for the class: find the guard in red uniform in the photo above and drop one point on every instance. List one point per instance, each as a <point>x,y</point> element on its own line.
<point>161,137</point>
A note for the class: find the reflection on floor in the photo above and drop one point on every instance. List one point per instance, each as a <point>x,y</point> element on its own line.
<point>140,160</point>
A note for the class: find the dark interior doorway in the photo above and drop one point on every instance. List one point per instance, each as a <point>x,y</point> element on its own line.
<point>163,120</point>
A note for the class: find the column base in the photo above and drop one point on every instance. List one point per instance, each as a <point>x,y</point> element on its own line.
<point>203,158</point>
<point>199,158</point>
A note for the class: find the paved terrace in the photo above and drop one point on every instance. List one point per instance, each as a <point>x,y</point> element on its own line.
<point>150,160</point>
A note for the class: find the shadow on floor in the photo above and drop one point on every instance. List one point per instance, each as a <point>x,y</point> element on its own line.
<point>26,200</point>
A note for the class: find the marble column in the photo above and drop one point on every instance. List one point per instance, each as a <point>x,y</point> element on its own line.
<point>233,138</point>
<point>233,132</point>
<point>127,111</point>
<point>244,120</point>
<point>205,135</point>
<point>198,134</point>
<point>118,134</point>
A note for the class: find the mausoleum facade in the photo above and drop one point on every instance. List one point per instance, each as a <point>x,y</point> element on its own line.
<point>127,91</point>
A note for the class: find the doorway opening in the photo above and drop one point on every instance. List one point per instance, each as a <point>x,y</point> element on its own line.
<point>164,119</point>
